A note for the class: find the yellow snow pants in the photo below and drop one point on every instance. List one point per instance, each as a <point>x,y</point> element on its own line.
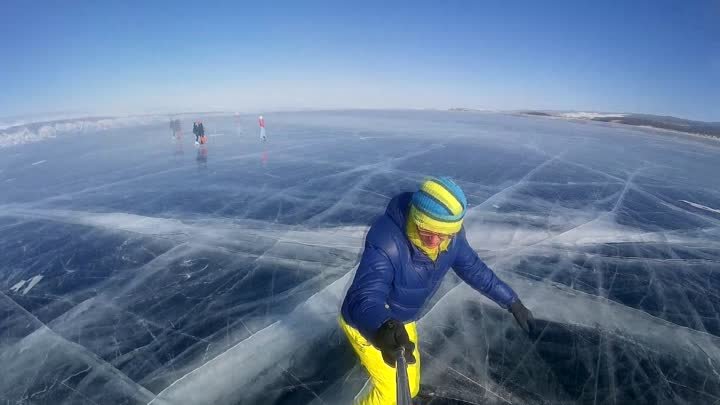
<point>380,389</point>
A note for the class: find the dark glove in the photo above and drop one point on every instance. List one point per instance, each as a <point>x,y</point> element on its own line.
<point>390,338</point>
<point>523,316</point>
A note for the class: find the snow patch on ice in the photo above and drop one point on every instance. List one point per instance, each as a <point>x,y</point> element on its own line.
<point>700,206</point>
<point>32,283</point>
<point>18,285</point>
<point>213,232</point>
<point>591,231</point>
<point>28,284</point>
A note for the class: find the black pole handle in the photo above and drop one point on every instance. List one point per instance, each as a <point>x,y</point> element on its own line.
<point>401,380</point>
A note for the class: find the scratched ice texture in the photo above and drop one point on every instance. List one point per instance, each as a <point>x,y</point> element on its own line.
<point>138,268</point>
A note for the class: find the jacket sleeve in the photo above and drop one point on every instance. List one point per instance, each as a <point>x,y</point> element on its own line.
<point>472,270</point>
<point>368,292</point>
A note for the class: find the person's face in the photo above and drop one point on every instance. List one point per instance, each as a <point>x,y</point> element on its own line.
<point>432,239</point>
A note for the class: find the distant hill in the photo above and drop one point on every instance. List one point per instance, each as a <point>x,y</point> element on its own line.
<point>671,123</point>
<point>711,129</point>
<point>540,113</point>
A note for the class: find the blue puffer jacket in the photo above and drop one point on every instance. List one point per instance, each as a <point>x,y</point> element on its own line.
<point>395,279</point>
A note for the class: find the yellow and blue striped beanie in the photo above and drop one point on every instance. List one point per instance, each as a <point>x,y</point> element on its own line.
<point>439,206</point>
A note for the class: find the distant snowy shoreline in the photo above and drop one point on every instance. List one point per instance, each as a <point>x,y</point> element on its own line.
<point>701,129</point>
<point>30,132</point>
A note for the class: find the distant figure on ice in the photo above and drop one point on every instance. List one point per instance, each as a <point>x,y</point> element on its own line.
<point>175,127</point>
<point>199,132</point>
<point>407,253</point>
<point>261,122</point>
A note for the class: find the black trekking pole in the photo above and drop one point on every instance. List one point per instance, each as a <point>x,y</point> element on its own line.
<point>401,380</point>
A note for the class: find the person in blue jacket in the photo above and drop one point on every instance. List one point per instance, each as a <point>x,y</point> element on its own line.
<point>407,252</point>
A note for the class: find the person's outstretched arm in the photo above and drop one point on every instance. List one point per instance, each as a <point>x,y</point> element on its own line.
<point>471,269</point>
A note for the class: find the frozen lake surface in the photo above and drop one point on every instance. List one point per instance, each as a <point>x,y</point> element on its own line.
<point>137,268</point>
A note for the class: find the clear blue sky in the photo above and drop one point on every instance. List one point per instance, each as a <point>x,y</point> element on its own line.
<point>111,57</point>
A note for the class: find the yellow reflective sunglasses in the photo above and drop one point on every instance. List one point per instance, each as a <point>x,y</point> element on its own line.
<point>427,234</point>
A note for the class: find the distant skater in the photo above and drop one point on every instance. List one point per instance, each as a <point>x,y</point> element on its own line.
<point>261,122</point>
<point>201,133</point>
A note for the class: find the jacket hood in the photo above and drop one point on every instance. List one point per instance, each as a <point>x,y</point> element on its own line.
<point>397,209</point>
